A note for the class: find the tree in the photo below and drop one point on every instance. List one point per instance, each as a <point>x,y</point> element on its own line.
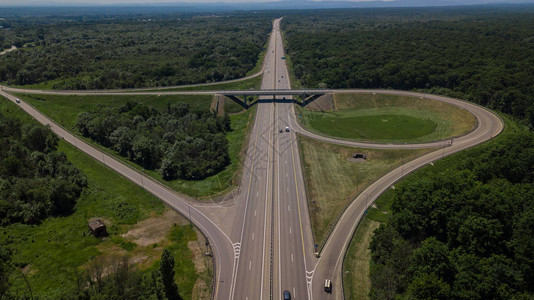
<point>167,274</point>
<point>5,271</point>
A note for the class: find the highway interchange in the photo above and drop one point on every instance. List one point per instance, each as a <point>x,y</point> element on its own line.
<point>261,237</point>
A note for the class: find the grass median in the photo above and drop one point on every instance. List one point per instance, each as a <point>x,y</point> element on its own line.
<point>333,181</point>
<point>65,110</point>
<point>388,119</point>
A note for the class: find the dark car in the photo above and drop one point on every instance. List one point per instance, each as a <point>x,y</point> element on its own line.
<point>287,295</point>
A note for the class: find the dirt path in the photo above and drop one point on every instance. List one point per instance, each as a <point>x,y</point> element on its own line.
<point>13,48</point>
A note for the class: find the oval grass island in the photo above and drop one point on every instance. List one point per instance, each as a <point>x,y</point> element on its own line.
<point>385,118</point>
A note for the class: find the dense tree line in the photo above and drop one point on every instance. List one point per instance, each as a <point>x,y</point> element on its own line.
<point>127,52</point>
<point>465,233</point>
<point>36,181</point>
<point>122,281</point>
<point>109,278</point>
<point>179,142</point>
<point>481,54</point>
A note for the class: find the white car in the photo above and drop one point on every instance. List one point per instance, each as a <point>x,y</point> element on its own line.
<point>17,100</point>
<point>287,129</point>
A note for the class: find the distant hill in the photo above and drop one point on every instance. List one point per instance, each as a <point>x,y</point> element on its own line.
<point>40,7</point>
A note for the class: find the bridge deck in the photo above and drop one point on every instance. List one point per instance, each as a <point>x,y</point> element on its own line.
<point>277,92</point>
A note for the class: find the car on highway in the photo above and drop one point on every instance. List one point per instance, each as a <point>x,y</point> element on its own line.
<point>287,295</point>
<point>328,286</point>
<point>17,100</point>
<point>287,129</point>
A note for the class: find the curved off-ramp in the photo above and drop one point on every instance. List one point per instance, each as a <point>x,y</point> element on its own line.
<point>329,264</point>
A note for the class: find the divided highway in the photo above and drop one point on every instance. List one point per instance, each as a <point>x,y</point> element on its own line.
<point>261,236</point>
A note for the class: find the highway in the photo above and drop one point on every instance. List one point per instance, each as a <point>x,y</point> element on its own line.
<point>261,235</point>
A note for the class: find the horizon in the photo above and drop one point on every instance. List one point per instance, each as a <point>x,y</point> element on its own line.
<point>260,4</point>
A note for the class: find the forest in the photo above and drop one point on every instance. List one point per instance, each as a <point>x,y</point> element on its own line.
<point>36,181</point>
<point>481,54</point>
<point>465,233</point>
<point>179,142</point>
<point>131,50</point>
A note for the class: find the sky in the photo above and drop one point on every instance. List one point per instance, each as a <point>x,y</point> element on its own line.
<point>111,2</point>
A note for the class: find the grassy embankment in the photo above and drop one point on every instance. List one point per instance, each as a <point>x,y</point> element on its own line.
<point>388,118</point>
<point>139,227</point>
<point>65,109</point>
<point>356,281</point>
<point>332,181</point>
<point>251,83</point>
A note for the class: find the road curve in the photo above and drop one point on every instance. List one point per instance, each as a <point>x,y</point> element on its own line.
<point>114,91</point>
<point>245,261</point>
<point>329,265</point>
<point>221,244</point>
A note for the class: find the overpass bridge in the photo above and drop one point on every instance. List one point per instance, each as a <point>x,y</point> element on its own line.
<point>306,95</point>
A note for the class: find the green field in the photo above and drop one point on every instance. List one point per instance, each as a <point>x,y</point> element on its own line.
<point>388,118</point>
<point>332,181</point>
<point>50,254</point>
<point>65,109</point>
<point>251,83</point>
<point>356,281</point>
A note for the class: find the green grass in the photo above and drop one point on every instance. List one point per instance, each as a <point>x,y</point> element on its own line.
<point>388,118</point>
<point>231,107</point>
<point>185,272</point>
<point>251,83</point>
<point>261,57</point>
<point>295,82</point>
<point>356,282</point>
<point>65,110</point>
<point>53,251</point>
<point>332,181</point>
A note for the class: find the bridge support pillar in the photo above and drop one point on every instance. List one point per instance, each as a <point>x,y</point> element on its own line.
<point>239,101</point>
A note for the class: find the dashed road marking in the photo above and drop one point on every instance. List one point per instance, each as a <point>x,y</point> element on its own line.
<point>252,236</point>
<point>250,265</point>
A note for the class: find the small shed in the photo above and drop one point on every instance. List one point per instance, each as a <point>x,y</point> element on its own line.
<point>98,228</point>
<point>359,155</point>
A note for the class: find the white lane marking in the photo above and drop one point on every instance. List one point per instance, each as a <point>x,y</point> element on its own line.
<point>257,193</point>
<point>237,249</point>
<point>287,173</point>
<point>309,277</point>
<point>294,294</point>
<point>289,229</point>
<point>250,265</point>
<point>252,236</point>
<point>291,257</point>
<point>289,208</point>
<point>287,189</point>
<point>255,213</point>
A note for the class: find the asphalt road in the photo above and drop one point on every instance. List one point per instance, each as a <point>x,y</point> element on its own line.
<point>274,230</point>
<point>261,237</point>
<point>221,244</point>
